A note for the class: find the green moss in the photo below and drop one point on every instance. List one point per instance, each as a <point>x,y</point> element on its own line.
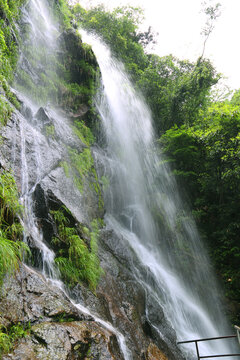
<point>82,163</point>
<point>9,13</point>
<point>76,257</point>
<point>83,132</point>
<point>63,317</point>
<point>105,182</point>
<point>5,112</point>
<point>66,168</point>
<point>50,131</point>
<point>63,13</point>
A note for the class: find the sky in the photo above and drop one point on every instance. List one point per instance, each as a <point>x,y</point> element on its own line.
<point>179,24</point>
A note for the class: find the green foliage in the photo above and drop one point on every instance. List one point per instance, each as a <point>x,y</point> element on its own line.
<point>119,29</point>
<point>63,13</point>
<point>5,111</point>
<point>50,131</point>
<point>206,159</point>
<point>5,343</point>
<point>76,258</point>
<point>9,13</point>
<point>8,336</point>
<point>83,132</point>
<point>105,182</point>
<point>175,90</point>
<point>82,163</point>
<point>63,317</point>
<point>11,248</point>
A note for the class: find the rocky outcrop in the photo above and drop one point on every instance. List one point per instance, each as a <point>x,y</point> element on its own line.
<point>27,296</point>
<point>58,329</point>
<point>123,301</point>
<point>119,298</point>
<point>69,340</point>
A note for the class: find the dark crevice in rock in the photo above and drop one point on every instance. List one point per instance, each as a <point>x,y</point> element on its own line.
<point>40,340</point>
<point>79,351</point>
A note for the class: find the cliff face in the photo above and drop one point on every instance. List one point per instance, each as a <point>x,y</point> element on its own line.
<point>54,159</point>
<point>55,325</point>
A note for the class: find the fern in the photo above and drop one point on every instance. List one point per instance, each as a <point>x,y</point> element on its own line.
<point>78,260</point>
<point>11,249</point>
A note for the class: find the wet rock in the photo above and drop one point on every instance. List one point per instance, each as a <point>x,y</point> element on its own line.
<point>80,113</point>
<point>156,318</point>
<point>42,213</point>
<point>65,341</point>
<point>83,205</point>
<point>43,116</point>
<point>153,353</point>
<point>29,297</point>
<point>70,41</point>
<point>120,300</point>
<point>26,112</point>
<point>124,302</point>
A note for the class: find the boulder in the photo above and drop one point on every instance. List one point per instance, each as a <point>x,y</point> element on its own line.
<point>43,116</point>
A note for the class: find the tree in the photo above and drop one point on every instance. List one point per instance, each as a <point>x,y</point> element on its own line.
<point>212,12</point>
<point>176,90</point>
<point>205,158</point>
<point>119,29</point>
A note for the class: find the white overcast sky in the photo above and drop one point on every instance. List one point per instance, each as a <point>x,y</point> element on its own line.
<point>179,24</point>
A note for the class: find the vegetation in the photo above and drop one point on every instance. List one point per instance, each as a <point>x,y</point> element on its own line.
<point>119,29</point>
<point>199,136</point>
<point>9,13</point>
<point>76,250</point>
<point>175,90</point>
<point>11,248</point>
<point>80,165</point>
<point>205,159</point>
<point>8,336</point>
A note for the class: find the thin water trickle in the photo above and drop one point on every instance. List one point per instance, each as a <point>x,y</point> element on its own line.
<point>144,207</point>
<point>43,35</point>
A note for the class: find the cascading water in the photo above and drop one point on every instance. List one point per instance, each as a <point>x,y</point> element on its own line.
<point>38,155</point>
<point>144,207</point>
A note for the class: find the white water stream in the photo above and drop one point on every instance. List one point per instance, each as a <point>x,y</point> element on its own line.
<point>143,206</point>
<point>141,191</point>
<point>43,35</point>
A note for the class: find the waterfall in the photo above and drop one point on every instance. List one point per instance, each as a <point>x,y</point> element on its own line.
<point>142,200</point>
<point>36,155</point>
<point>144,206</point>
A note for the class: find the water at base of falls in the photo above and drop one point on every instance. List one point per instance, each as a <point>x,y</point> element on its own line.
<point>144,207</point>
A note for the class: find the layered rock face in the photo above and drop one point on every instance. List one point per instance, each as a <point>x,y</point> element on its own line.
<point>55,162</point>
<point>58,330</point>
